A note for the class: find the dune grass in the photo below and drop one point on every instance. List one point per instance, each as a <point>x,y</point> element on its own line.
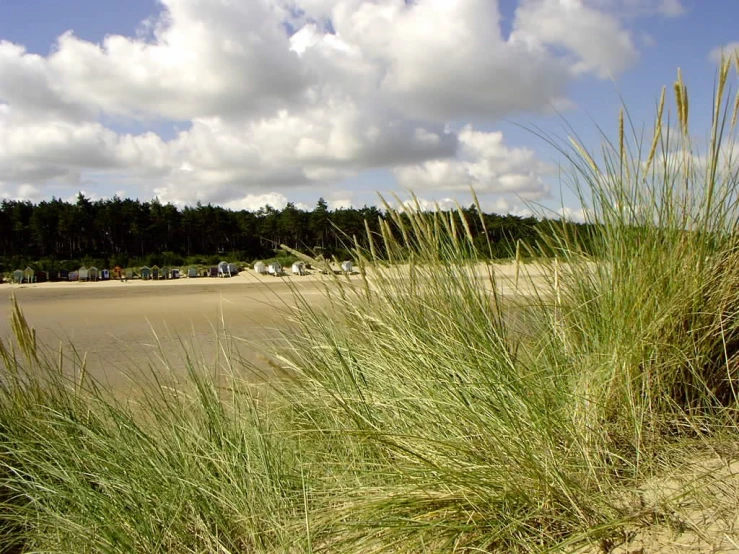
<point>417,410</point>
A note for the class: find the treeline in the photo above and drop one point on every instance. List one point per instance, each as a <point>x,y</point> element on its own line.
<point>58,234</point>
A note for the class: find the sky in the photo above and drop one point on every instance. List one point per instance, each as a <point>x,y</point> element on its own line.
<point>244,103</point>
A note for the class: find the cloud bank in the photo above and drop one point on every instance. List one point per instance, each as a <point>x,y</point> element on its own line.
<point>261,97</point>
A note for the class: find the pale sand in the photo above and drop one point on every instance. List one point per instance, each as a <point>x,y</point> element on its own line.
<point>114,323</point>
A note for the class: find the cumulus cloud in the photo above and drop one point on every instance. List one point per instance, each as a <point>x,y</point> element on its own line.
<point>727,50</point>
<point>20,192</point>
<point>595,39</point>
<point>484,163</point>
<point>442,60</point>
<point>340,204</point>
<point>57,150</point>
<point>288,93</point>
<point>27,84</point>
<point>576,215</point>
<point>205,58</point>
<point>253,202</point>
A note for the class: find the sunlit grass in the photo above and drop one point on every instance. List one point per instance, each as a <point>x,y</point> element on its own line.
<point>418,409</point>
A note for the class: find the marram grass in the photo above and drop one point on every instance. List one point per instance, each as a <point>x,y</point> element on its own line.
<point>418,410</point>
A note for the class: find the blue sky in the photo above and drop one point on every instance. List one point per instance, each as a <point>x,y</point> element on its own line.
<point>267,101</point>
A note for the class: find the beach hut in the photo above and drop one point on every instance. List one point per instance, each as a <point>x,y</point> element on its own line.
<point>274,269</point>
<point>105,274</point>
<point>62,275</point>
<point>128,273</point>
<point>174,273</point>
<point>233,269</point>
<point>117,272</point>
<point>28,275</point>
<point>223,270</point>
<point>156,272</point>
<point>260,268</point>
<point>83,274</point>
<point>73,276</point>
<point>213,271</point>
<point>41,276</point>
<point>93,274</point>
<point>145,273</point>
<point>298,268</point>
<point>192,271</point>
<point>347,266</point>
<point>18,276</point>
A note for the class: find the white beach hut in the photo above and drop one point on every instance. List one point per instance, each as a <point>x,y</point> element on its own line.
<point>223,270</point>
<point>93,274</point>
<point>233,269</point>
<point>274,269</point>
<point>347,266</point>
<point>192,272</point>
<point>260,268</point>
<point>298,268</point>
<point>83,274</point>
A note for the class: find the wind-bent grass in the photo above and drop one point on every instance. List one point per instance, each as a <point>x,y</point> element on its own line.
<point>188,470</point>
<point>414,412</point>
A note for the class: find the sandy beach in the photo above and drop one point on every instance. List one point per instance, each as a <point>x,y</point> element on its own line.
<point>123,326</point>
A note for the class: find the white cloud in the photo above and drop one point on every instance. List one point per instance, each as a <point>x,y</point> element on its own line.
<point>426,205</point>
<point>576,215</point>
<point>595,38</point>
<point>727,50</point>
<point>499,205</point>
<point>360,84</point>
<point>671,8</point>
<point>443,59</point>
<point>341,203</point>
<point>484,163</point>
<point>20,192</point>
<point>254,202</point>
<point>205,58</point>
<point>55,150</point>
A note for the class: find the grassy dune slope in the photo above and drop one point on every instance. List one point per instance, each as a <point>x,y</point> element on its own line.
<point>420,412</point>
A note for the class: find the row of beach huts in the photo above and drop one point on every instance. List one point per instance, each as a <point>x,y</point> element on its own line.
<point>30,275</point>
<point>298,268</point>
<point>146,273</point>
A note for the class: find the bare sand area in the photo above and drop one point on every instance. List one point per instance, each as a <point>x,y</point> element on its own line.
<point>121,327</point>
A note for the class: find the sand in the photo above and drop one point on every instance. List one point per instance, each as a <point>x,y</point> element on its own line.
<point>119,327</point>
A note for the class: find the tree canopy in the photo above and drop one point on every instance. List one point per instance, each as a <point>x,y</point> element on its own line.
<point>123,232</point>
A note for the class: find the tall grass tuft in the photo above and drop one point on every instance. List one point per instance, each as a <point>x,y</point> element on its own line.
<point>489,438</point>
<point>470,445</point>
<point>652,323</point>
<point>417,408</point>
<point>188,470</point>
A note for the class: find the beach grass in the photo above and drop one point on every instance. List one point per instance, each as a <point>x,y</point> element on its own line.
<point>419,410</point>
